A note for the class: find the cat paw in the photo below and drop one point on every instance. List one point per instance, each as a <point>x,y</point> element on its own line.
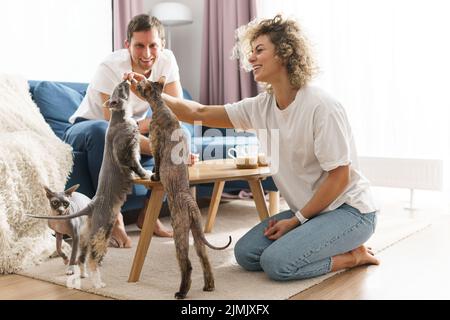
<point>180,295</point>
<point>208,288</point>
<point>146,176</point>
<point>99,285</point>
<point>154,177</point>
<point>83,273</point>
<point>70,270</point>
<point>54,255</point>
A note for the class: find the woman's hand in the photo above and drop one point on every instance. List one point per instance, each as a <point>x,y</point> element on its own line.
<point>144,126</point>
<point>276,229</point>
<point>193,159</point>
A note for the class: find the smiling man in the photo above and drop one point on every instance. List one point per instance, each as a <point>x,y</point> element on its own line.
<point>144,53</point>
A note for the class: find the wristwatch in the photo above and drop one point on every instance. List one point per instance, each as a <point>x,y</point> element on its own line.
<point>300,217</point>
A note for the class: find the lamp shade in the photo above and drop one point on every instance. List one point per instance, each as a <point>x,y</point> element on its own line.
<point>172,13</point>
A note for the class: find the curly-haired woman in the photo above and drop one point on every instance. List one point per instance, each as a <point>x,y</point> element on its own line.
<point>332,213</point>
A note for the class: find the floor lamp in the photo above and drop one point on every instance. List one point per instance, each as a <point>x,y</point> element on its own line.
<point>171,14</point>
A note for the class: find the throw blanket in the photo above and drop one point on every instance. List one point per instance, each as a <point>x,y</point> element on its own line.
<point>31,156</point>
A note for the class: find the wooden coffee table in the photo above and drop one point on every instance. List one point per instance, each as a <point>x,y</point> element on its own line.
<point>217,171</point>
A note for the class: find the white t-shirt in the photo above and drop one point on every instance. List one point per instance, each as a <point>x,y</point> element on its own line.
<point>314,138</point>
<point>109,74</point>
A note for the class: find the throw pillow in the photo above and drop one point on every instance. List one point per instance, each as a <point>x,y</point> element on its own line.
<point>57,103</point>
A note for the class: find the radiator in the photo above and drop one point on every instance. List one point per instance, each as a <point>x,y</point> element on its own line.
<point>424,174</point>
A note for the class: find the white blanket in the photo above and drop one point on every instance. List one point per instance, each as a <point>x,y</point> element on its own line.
<point>31,156</point>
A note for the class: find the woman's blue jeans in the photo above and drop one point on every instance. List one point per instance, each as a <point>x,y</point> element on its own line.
<point>306,251</point>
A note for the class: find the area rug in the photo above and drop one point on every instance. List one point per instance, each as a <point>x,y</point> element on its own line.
<point>160,275</point>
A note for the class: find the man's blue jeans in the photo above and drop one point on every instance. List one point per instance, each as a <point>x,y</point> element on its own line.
<point>306,251</point>
<point>88,136</point>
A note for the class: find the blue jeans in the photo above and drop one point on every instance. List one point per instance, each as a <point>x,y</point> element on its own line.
<point>88,136</point>
<point>306,251</point>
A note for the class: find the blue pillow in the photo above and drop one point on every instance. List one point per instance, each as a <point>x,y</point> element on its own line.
<point>57,103</point>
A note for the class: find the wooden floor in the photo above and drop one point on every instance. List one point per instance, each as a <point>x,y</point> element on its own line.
<point>14,287</point>
<point>416,268</point>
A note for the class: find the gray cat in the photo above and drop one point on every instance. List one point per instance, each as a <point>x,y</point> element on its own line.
<point>120,159</point>
<point>67,203</point>
<point>170,151</point>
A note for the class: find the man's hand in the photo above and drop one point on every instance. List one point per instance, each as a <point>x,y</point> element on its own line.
<point>134,78</point>
<point>276,229</point>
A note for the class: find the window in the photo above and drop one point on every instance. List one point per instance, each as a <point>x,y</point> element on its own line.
<point>388,63</point>
<point>62,40</point>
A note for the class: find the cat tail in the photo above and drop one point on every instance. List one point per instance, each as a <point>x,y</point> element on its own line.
<point>196,226</point>
<point>84,212</point>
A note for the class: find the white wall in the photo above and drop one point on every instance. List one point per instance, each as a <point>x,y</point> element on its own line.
<point>54,39</point>
<point>187,45</point>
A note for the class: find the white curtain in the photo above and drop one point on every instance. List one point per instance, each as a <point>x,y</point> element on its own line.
<point>388,63</point>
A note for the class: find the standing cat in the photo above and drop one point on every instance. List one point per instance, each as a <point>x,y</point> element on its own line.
<point>120,159</point>
<point>67,203</point>
<point>170,167</point>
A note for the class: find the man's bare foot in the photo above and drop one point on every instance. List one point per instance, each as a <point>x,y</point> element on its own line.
<point>119,237</point>
<point>159,231</point>
<point>364,256</point>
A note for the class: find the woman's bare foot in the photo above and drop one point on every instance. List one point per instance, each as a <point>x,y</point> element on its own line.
<point>119,237</point>
<point>364,255</point>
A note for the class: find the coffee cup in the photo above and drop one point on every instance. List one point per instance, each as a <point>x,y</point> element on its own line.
<point>245,156</point>
<point>262,160</point>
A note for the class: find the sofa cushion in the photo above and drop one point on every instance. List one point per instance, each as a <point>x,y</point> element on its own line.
<point>57,103</point>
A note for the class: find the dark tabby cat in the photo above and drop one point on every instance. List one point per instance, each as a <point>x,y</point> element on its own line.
<point>170,151</point>
<point>120,159</point>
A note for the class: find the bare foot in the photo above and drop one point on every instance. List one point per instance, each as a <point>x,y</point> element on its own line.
<point>140,219</point>
<point>119,237</point>
<point>364,256</point>
<point>159,231</point>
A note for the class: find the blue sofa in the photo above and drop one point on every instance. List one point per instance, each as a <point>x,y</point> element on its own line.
<point>57,101</point>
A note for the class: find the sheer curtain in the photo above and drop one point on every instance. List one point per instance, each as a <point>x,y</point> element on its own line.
<point>222,81</point>
<point>124,10</point>
<point>388,63</point>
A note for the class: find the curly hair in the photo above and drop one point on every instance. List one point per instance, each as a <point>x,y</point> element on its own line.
<point>291,46</point>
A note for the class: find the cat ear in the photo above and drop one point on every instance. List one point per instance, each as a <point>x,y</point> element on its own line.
<point>162,81</point>
<point>49,193</point>
<point>72,189</point>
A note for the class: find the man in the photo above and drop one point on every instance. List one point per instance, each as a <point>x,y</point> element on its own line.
<point>144,53</point>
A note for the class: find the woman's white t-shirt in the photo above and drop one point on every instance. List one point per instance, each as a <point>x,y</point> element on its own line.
<point>314,137</point>
<point>109,74</point>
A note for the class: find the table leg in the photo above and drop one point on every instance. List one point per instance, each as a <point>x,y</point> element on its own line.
<point>214,205</point>
<point>274,202</point>
<point>151,215</point>
<point>258,197</point>
<point>193,190</point>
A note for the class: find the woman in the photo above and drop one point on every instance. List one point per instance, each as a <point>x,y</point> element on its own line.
<point>332,213</point>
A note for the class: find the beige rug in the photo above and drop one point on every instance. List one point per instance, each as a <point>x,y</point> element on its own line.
<point>160,275</point>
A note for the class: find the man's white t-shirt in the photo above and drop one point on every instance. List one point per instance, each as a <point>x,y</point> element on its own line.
<point>314,138</point>
<point>110,73</point>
